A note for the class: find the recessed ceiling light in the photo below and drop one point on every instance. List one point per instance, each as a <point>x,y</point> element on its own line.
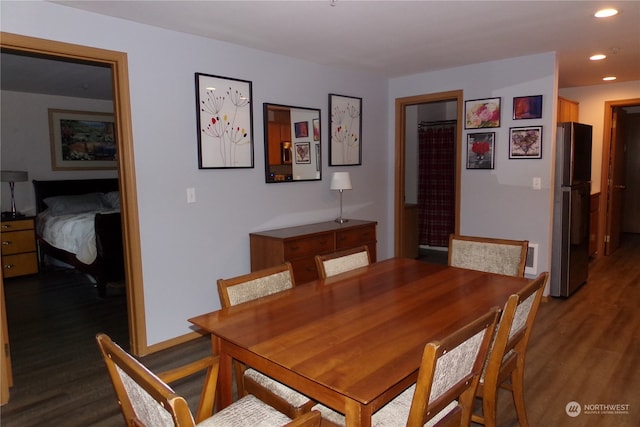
<point>605,13</point>
<point>609,78</point>
<point>597,57</point>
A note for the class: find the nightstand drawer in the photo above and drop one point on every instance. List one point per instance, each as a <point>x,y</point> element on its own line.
<point>299,248</point>
<point>16,242</point>
<point>21,224</point>
<point>19,265</point>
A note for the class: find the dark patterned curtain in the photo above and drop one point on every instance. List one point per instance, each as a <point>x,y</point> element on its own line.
<point>436,183</point>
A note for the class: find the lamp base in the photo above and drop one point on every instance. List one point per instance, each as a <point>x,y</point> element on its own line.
<point>341,220</point>
<point>11,215</point>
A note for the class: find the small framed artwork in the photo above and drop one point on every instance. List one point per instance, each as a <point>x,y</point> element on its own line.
<point>316,129</point>
<point>225,122</point>
<point>481,150</point>
<point>527,107</point>
<point>345,145</point>
<point>82,140</point>
<point>303,152</point>
<point>302,129</point>
<point>525,142</point>
<point>482,113</point>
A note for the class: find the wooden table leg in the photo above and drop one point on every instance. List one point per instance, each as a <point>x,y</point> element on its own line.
<point>225,375</point>
<point>357,415</point>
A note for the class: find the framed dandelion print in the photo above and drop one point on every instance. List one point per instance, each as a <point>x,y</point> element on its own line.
<point>345,124</point>
<point>525,142</point>
<point>482,113</point>
<point>225,122</point>
<point>481,150</point>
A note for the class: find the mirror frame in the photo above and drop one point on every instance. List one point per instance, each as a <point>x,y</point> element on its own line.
<point>284,136</point>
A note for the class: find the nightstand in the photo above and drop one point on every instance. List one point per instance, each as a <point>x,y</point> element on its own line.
<point>19,251</point>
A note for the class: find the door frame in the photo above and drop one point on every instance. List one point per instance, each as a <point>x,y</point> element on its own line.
<point>400,152</point>
<point>605,169</point>
<point>117,61</point>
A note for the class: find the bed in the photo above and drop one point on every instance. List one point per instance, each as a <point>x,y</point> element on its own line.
<point>78,223</point>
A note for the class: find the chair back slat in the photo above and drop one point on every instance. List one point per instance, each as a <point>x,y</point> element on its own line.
<point>257,284</point>
<point>500,256</point>
<point>338,262</point>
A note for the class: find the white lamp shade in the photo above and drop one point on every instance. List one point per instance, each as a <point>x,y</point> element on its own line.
<point>340,181</point>
<point>14,176</point>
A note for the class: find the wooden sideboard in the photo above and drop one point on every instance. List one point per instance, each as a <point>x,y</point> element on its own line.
<point>299,245</point>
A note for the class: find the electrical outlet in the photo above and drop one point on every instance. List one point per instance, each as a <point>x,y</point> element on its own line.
<point>537,183</point>
<point>191,195</point>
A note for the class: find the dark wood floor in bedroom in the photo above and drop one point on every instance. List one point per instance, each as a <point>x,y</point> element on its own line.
<point>584,349</point>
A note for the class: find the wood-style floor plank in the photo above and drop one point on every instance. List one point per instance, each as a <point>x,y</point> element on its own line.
<point>584,349</point>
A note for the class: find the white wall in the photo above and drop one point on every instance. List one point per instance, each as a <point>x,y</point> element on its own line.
<point>500,202</point>
<point>185,248</point>
<point>591,111</point>
<point>24,132</point>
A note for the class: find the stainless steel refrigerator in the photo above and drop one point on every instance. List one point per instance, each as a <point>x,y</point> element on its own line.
<point>572,193</point>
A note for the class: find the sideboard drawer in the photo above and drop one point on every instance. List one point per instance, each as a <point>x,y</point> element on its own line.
<point>305,247</point>
<point>304,270</point>
<point>355,237</point>
<point>300,244</point>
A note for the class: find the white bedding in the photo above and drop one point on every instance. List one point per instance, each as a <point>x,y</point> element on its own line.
<point>73,233</point>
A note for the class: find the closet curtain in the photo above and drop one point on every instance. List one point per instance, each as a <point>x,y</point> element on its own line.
<point>436,184</point>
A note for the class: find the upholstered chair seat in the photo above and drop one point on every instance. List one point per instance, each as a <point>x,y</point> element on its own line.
<point>447,381</point>
<point>500,256</point>
<point>338,262</point>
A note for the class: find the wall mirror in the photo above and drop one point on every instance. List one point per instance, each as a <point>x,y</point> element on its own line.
<point>292,143</point>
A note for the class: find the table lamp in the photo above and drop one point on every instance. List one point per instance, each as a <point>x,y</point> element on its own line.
<point>12,177</point>
<point>340,181</point>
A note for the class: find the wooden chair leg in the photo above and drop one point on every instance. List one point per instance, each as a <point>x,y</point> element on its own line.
<point>517,383</point>
<point>489,406</point>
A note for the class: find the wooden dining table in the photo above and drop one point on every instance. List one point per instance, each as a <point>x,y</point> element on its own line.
<point>353,341</point>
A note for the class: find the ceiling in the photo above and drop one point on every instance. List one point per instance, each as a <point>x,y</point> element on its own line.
<point>387,38</point>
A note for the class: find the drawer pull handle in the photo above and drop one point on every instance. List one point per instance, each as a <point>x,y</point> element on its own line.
<point>5,226</point>
<point>6,242</point>
<point>9,266</point>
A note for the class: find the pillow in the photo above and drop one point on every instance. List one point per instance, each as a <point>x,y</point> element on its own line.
<point>63,205</point>
<point>112,199</point>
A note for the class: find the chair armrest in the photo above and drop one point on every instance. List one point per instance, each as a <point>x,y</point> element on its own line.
<point>208,394</point>
<point>310,419</point>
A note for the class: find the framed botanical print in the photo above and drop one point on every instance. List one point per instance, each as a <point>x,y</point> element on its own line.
<point>345,124</point>
<point>225,122</point>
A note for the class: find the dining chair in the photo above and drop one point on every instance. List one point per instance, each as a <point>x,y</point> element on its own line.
<point>147,400</point>
<point>447,379</point>
<point>245,288</point>
<point>507,354</point>
<point>501,256</point>
<point>338,262</point>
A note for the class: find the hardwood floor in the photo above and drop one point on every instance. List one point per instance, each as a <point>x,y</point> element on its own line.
<point>584,349</point>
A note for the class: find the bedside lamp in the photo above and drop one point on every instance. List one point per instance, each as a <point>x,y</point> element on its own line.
<point>12,177</point>
<point>340,181</point>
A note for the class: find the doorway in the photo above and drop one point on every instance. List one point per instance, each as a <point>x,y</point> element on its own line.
<point>619,167</point>
<point>117,61</point>
<point>404,224</point>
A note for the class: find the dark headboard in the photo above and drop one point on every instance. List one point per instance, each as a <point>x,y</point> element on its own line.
<point>44,189</point>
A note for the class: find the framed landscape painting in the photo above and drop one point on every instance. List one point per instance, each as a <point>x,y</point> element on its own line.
<point>82,140</point>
